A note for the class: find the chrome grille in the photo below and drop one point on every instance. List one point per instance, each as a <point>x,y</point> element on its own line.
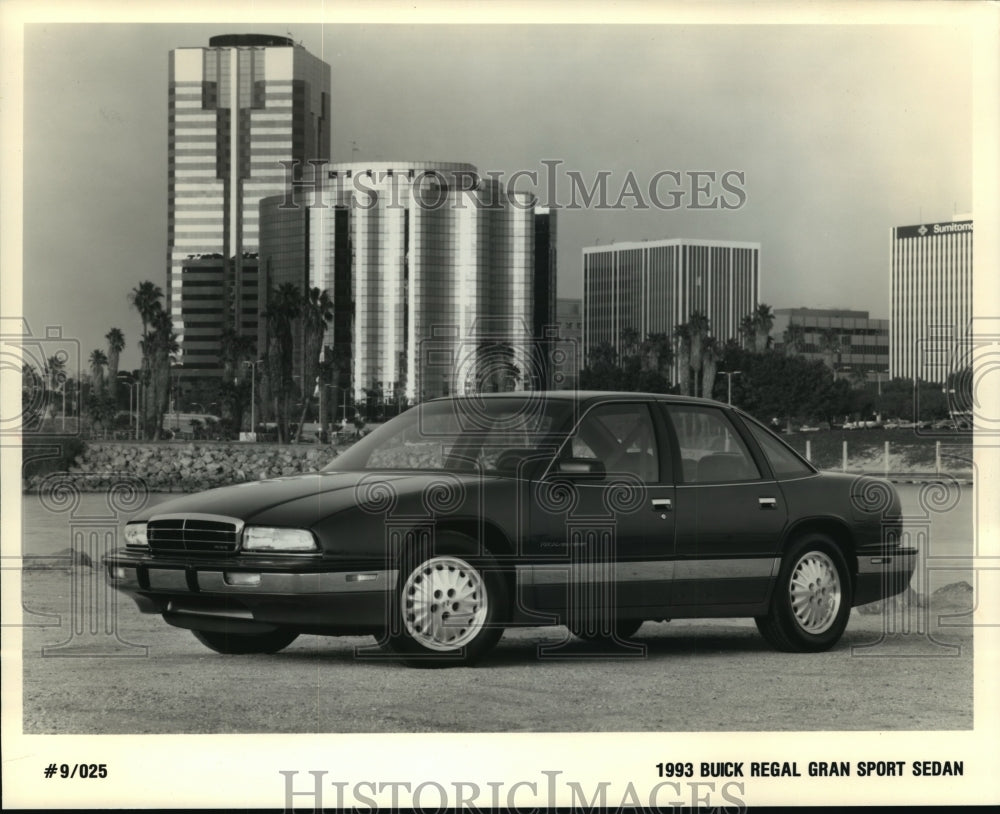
<point>192,535</point>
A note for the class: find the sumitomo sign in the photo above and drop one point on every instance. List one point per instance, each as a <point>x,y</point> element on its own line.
<point>931,229</point>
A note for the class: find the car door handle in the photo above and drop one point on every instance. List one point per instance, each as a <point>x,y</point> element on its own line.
<point>768,502</point>
<point>662,504</point>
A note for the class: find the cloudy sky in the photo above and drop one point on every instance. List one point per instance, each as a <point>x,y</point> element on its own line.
<point>841,132</point>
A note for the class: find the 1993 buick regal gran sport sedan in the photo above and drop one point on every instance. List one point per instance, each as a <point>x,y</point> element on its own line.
<point>464,516</point>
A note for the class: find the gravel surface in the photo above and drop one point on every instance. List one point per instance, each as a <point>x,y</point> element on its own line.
<point>694,675</point>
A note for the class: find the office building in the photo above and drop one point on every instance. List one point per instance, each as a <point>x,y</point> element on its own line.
<point>930,278</point>
<point>442,282</point>
<point>569,318</point>
<point>238,109</point>
<point>849,341</point>
<point>654,286</point>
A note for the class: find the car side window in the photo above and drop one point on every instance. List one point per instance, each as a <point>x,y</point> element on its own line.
<point>620,435</point>
<point>711,449</point>
<point>784,462</point>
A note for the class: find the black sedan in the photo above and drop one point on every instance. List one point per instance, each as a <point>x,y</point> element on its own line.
<point>464,516</point>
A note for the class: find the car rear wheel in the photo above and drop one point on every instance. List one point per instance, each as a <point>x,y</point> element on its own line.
<point>241,643</point>
<point>812,598</point>
<point>450,605</point>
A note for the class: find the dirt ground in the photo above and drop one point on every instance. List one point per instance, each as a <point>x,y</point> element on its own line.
<point>899,671</point>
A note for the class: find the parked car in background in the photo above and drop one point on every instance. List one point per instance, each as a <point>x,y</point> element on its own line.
<point>465,516</point>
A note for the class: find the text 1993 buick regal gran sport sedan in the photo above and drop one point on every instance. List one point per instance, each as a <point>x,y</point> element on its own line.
<point>464,516</point>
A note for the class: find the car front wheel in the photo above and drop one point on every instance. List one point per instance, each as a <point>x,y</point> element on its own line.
<point>242,643</point>
<point>450,606</point>
<point>812,598</point>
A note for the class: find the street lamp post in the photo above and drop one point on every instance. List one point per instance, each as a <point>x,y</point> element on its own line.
<point>253,395</point>
<point>132,384</point>
<point>729,383</point>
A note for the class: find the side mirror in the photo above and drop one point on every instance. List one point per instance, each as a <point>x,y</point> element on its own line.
<point>581,468</point>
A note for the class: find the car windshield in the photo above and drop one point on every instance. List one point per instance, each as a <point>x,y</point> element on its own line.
<point>491,435</point>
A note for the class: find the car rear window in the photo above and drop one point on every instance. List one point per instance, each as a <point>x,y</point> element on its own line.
<point>785,462</point>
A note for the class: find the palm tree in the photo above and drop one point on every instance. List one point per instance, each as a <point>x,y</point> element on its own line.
<point>698,326</point>
<point>316,314</point>
<point>283,307</point>
<point>795,338</point>
<point>98,361</point>
<point>55,370</point>
<point>657,354</point>
<point>711,353</point>
<point>748,332</point>
<point>335,359</point>
<point>859,377</point>
<point>682,339</point>
<point>160,344</point>
<point>763,321</point>
<point>116,344</point>
<point>235,387</point>
<point>830,346</point>
<point>146,299</point>
<point>55,376</point>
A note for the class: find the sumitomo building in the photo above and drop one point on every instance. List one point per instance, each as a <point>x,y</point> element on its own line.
<point>930,298</point>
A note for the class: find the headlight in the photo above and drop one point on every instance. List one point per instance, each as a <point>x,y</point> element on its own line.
<point>135,535</point>
<point>263,538</point>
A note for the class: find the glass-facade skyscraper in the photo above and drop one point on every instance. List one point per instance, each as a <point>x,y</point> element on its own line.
<point>239,109</point>
<point>653,286</point>
<point>442,281</point>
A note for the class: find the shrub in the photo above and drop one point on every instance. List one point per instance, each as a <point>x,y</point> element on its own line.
<point>36,460</point>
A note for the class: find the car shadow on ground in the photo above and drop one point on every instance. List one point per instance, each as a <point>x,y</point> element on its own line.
<point>525,646</point>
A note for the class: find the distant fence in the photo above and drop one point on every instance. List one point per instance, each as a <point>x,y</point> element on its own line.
<point>892,458</point>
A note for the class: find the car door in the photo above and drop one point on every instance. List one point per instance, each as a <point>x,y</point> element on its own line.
<point>606,538</point>
<point>729,512</point>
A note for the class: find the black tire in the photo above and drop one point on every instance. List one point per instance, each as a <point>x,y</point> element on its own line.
<point>242,643</point>
<point>450,605</point>
<point>623,629</point>
<point>813,570</point>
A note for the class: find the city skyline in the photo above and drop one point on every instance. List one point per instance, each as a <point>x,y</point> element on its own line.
<point>833,152</point>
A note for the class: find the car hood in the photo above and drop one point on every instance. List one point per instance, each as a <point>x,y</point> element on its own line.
<point>315,495</point>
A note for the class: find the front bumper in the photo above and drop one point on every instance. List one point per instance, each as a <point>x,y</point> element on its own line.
<point>255,595</point>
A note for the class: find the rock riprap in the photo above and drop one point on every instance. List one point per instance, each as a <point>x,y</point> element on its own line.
<point>188,467</point>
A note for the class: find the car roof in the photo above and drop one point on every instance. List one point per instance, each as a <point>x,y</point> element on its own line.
<point>584,396</point>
